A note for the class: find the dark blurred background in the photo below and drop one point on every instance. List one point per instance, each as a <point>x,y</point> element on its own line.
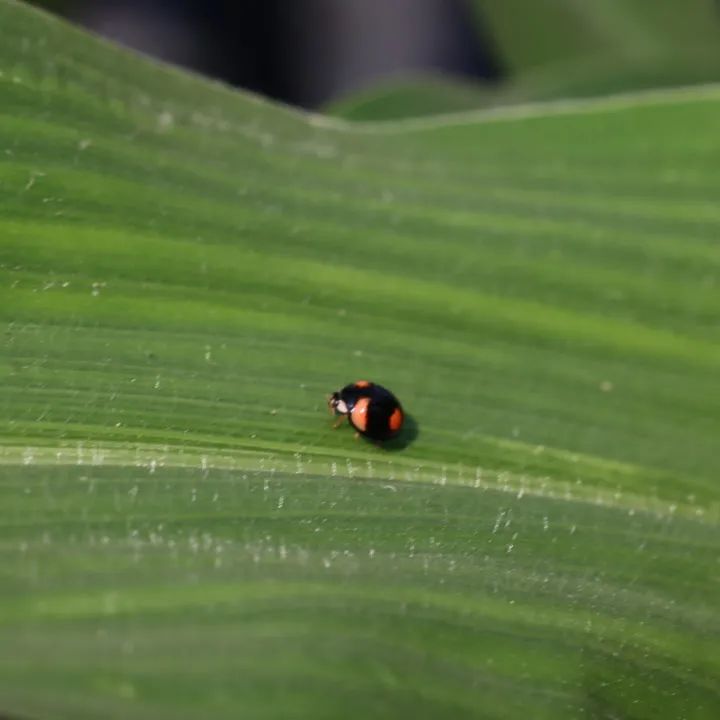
<point>303,52</point>
<point>377,59</point>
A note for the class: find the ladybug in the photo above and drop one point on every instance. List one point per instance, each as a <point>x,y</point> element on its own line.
<point>371,409</point>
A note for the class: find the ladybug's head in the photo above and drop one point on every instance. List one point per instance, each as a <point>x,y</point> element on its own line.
<point>337,404</point>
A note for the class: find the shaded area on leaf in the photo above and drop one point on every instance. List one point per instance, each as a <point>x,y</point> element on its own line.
<point>407,436</point>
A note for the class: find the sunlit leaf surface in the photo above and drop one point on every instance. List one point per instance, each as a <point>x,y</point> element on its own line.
<point>186,272</point>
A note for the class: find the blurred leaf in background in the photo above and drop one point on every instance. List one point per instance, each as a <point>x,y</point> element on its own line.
<point>533,34</point>
<point>565,48</point>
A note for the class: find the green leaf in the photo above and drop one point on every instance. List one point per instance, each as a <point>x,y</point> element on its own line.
<point>411,97</point>
<point>539,33</point>
<point>187,271</point>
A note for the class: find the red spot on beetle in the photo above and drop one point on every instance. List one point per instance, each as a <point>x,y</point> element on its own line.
<point>396,420</point>
<point>359,414</point>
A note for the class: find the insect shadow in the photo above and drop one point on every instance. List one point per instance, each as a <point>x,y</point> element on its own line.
<point>406,437</point>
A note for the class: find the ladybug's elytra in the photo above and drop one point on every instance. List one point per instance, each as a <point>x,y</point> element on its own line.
<point>371,409</point>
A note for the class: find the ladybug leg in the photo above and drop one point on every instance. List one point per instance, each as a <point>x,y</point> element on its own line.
<point>339,422</point>
<point>357,435</point>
